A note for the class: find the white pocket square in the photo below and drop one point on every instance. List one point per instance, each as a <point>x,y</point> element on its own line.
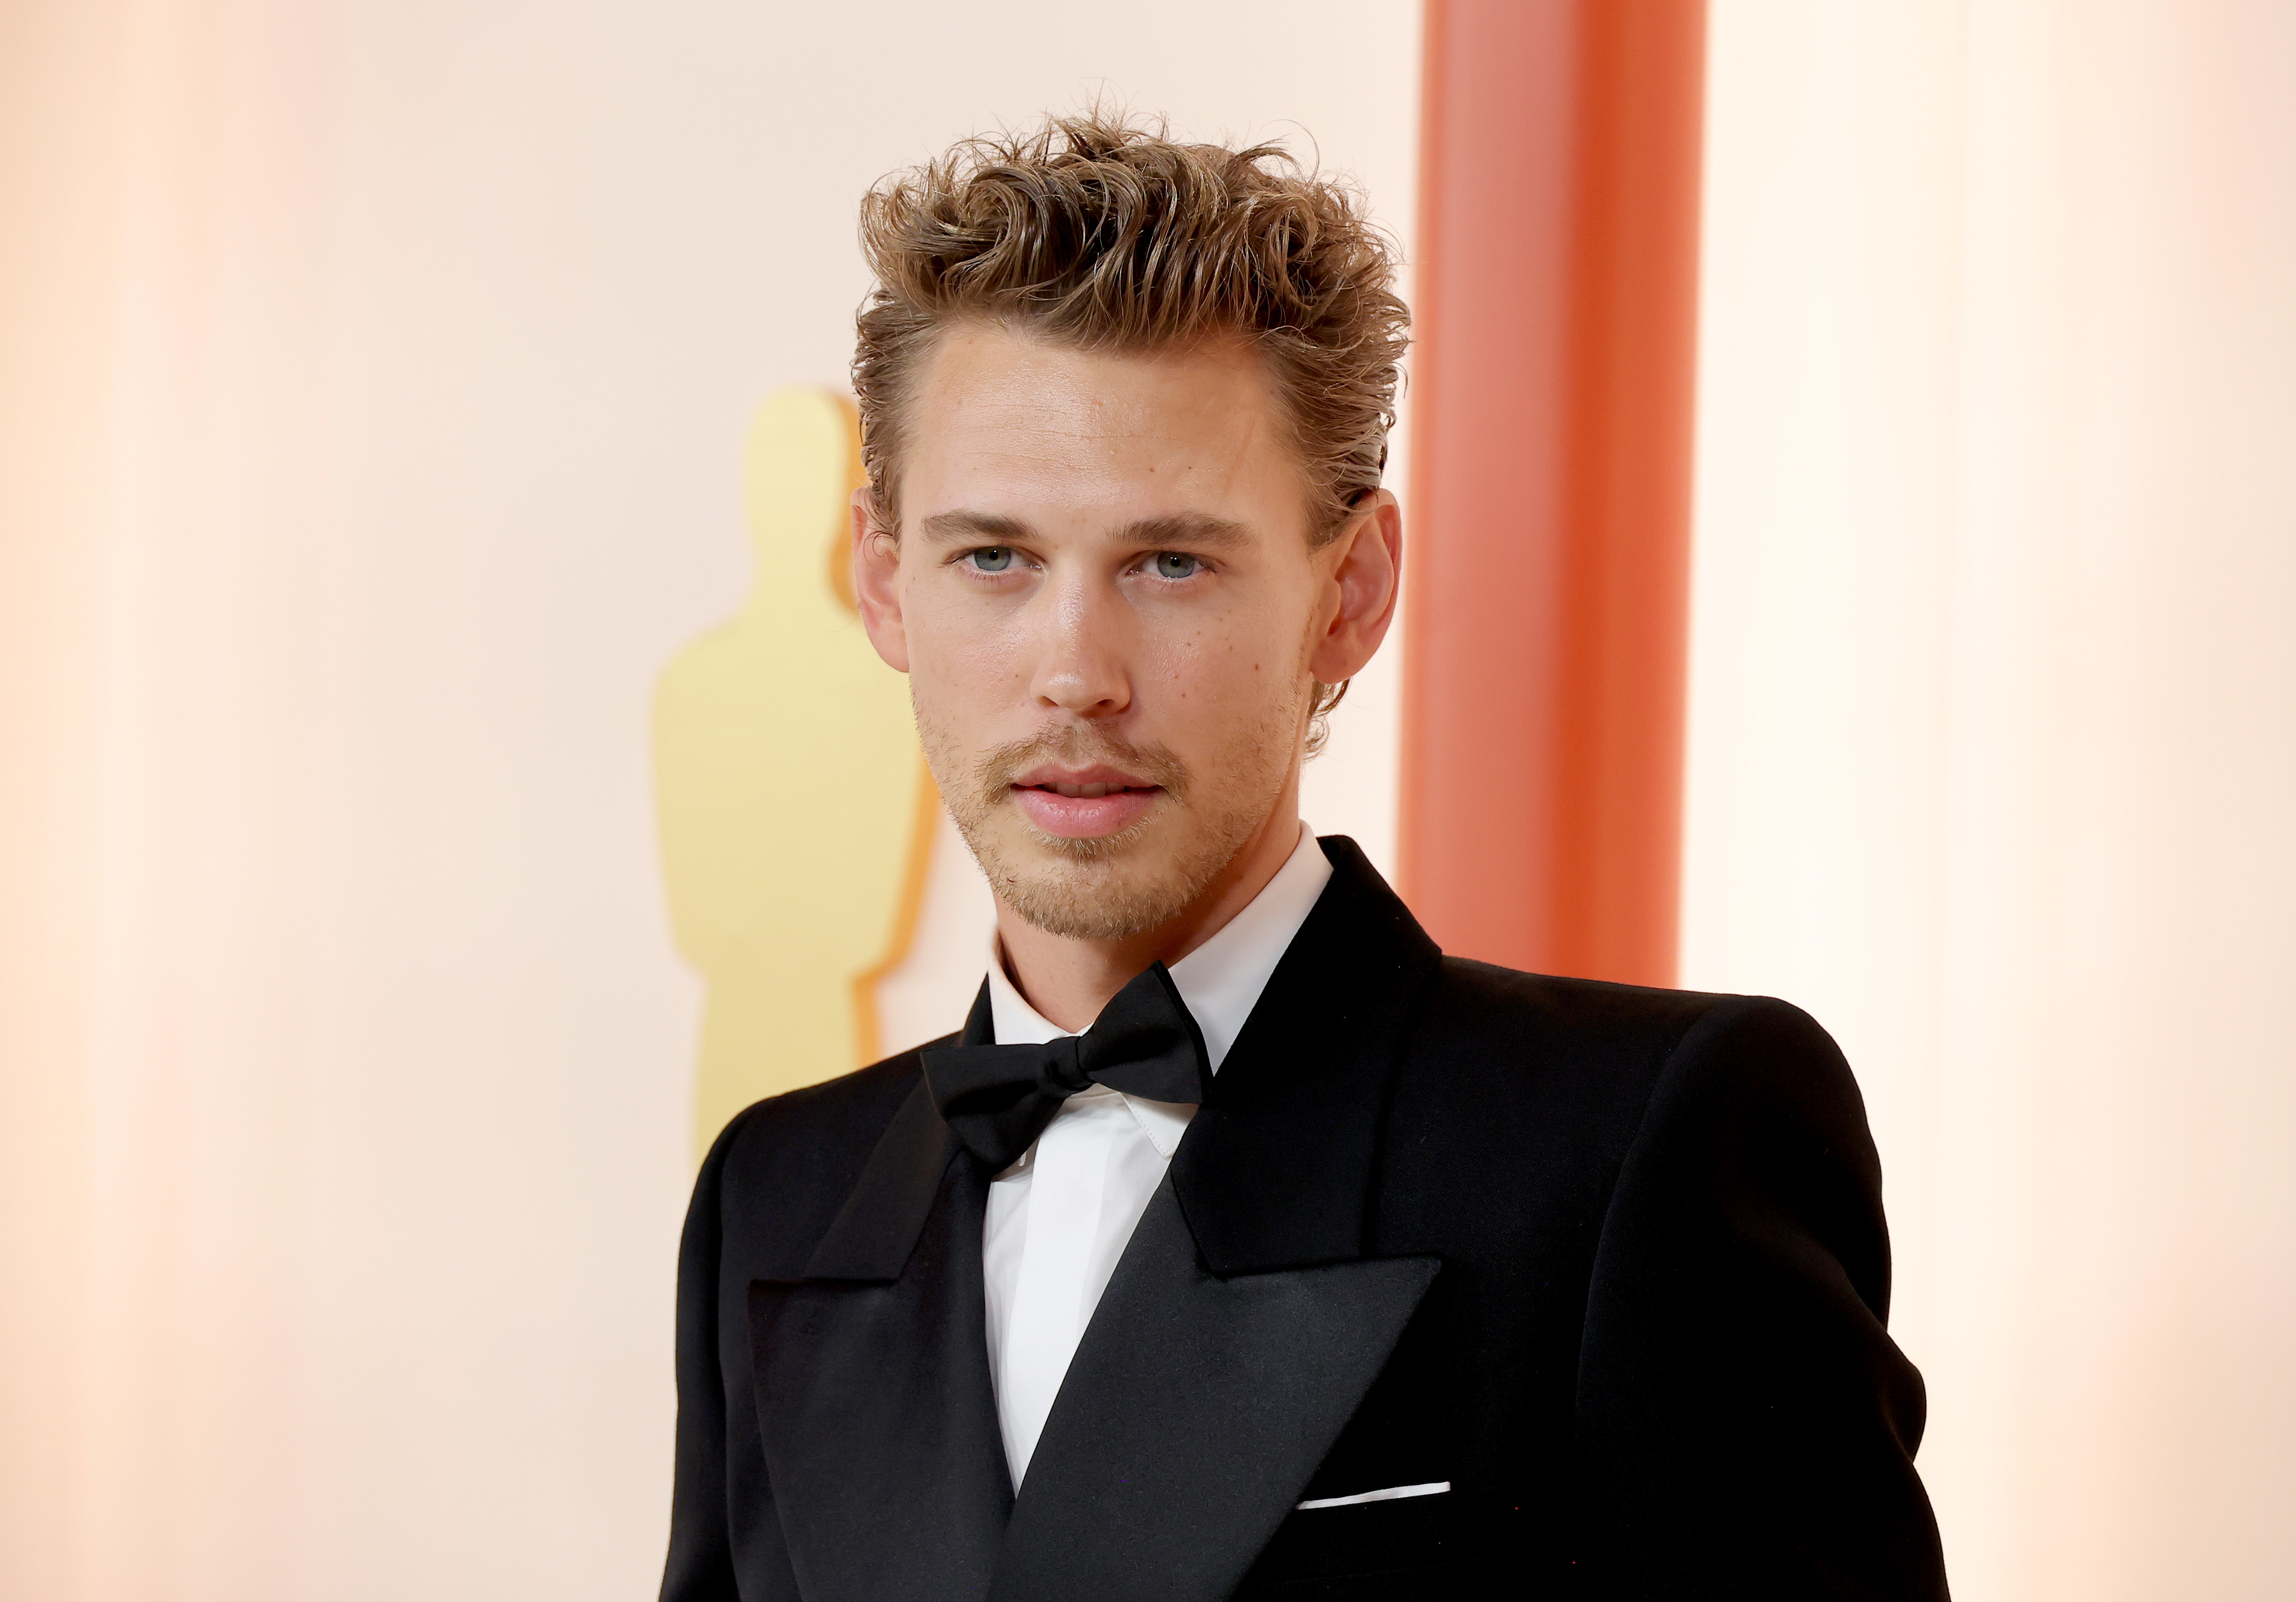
<point>1392,1493</point>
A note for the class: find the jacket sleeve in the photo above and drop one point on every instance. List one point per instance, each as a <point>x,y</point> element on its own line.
<point>701,1566</point>
<point>1745,1426</point>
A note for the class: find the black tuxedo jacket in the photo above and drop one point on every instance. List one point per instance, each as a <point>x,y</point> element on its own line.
<point>1609,1260</point>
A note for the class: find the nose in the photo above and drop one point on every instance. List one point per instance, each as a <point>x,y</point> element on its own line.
<point>1081,666</point>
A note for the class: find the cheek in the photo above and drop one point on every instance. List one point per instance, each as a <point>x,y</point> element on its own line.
<point>1228,674</point>
<point>960,657</point>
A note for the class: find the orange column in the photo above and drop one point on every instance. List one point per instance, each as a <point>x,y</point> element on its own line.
<point>1547,570</point>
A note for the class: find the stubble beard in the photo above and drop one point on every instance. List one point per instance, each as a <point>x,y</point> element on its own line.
<point>1114,886</point>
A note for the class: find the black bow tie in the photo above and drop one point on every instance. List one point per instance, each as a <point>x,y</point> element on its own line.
<point>998,1098</point>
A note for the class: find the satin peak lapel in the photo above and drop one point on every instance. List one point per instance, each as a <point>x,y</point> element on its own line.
<point>1276,1171</point>
<point>1194,1412</point>
<point>874,1406</point>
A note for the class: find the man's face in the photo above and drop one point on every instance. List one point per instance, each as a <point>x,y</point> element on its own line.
<point>1105,599</point>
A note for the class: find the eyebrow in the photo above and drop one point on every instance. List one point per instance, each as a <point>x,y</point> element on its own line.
<point>947,528</point>
<point>1185,529</point>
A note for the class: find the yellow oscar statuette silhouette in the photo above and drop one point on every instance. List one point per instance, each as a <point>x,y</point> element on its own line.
<point>795,811</point>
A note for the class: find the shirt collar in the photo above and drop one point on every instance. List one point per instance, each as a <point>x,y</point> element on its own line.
<point>1220,979</point>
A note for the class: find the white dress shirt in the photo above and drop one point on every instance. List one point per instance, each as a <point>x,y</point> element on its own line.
<point>1059,1218</point>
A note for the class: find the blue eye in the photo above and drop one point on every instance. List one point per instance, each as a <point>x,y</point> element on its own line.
<point>991,559</point>
<point>1176,564</point>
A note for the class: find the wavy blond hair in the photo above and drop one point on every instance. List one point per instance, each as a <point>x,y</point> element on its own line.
<point>1100,232</point>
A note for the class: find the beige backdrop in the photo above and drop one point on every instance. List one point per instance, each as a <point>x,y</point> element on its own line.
<point>1992,726</point>
<point>372,383</point>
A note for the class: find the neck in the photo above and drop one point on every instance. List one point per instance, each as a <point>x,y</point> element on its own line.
<point>1069,981</point>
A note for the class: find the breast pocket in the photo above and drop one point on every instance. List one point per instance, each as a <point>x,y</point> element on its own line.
<point>1386,1542</point>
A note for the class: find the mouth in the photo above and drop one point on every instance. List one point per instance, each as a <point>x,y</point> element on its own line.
<point>1083,804</point>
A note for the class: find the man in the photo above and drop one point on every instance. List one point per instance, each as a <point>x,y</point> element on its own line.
<point>1242,1244</point>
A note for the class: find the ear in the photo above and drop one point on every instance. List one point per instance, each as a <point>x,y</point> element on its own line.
<point>877,584</point>
<point>1365,561</point>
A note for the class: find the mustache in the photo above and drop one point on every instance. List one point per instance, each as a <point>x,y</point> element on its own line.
<point>1080,748</point>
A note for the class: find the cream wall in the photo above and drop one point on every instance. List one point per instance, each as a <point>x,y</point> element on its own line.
<point>372,380</point>
<point>1993,725</point>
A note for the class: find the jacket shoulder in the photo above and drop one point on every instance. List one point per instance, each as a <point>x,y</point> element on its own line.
<point>1479,1013</point>
<point>1591,1054</point>
<point>865,1096</point>
<point>784,1165</point>
<point>1476,1001</point>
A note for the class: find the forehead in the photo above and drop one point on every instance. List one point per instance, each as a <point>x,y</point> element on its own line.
<point>1001,422</point>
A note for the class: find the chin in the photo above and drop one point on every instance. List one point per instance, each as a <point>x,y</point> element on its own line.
<point>1105,887</point>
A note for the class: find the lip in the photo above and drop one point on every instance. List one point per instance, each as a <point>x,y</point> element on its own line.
<point>1083,817</point>
<point>1048,774</point>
